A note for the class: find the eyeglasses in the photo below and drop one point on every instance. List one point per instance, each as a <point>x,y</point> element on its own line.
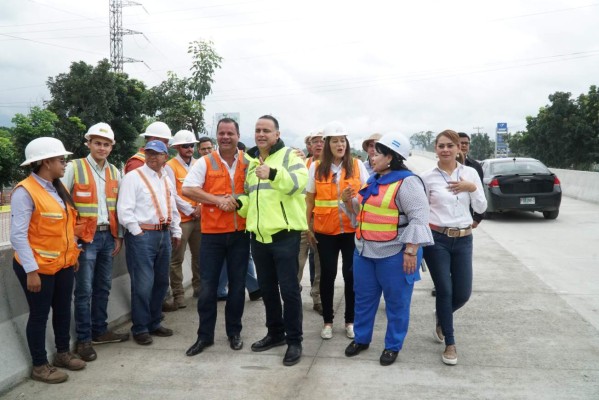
<point>63,160</point>
<point>465,143</point>
<point>187,146</point>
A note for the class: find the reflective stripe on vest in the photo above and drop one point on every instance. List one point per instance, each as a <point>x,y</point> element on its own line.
<point>218,182</point>
<point>329,219</point>
<point>161,219</point>
<point>378,219</point>
<point>85,196</point>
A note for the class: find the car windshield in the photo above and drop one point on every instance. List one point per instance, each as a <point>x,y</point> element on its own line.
<point>522,167</point>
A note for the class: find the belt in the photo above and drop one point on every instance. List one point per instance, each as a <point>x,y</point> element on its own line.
<point>452,232</point>
<point>154,227</point>
<point>102,228</point>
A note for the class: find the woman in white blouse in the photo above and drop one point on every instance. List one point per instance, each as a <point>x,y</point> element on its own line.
<point>451,189</point>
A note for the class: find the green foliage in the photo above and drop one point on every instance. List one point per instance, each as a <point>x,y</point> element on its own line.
<point>565,133</point>
<point>178,100</point>
<point>87,95</point>
<point>423,140</point>
<point>481,146</point>
<point>8,162</point>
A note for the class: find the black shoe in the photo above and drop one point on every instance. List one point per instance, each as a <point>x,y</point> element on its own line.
<point>161,331</point>
<point>268,342</point>
<point>198,347</point>
<point>143,338</point>
<point>388,357</point>
<point>235,342</point>
<point>256,295</point>
<point>292,355</point>
<point>353,349</point>
<point>434,293</point>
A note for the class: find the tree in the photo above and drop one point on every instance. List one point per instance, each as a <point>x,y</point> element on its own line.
<point>424,140</point>
<point>178,100</point>
<point>481,146</point>
<point>38,123</point>
<point>87,95</point>
<point>8,162</point>
<point>517,144</point>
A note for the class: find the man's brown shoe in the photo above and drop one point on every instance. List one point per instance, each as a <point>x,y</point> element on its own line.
<point>48,374</point>
<point>110,337</point>
<point>86,351</point>
<point>169,306</point>
<point>161,331</point>
<point>180,302</point>
<point>69,361</point>
<point>143,338</point>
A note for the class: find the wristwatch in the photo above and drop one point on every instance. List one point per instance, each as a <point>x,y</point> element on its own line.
<point>410,253</point>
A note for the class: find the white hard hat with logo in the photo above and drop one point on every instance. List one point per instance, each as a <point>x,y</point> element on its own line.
<point>183,137</point>
<point>398,143</point>
<point>158,129</point>
<point>43,148</point>
<point>334,128</point>
<point>100,129</point>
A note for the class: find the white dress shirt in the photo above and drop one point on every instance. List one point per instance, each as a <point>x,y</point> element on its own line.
<point>183,206</point>
<point>449,210</point>
<point>197,173</point>
<point>135,205</point>
<point>335,169</point>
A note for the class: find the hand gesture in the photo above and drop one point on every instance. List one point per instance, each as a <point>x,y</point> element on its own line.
<point>461,186</point>
<point>347,194</point>
<point>263,170</point>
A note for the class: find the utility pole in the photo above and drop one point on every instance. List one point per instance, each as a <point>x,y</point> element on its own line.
<point>478,129</point>
<point>117,32</point>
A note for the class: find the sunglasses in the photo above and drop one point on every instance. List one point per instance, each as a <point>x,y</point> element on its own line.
<point>187,146</point>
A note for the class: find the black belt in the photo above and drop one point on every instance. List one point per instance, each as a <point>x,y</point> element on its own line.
<point>102,228</point>
<point>154,227</point>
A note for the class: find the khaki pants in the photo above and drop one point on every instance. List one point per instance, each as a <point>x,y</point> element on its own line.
<point>303,257</point>
<point>191,234</point>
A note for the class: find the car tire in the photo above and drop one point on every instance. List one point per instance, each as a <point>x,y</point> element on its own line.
<point>550,214</point>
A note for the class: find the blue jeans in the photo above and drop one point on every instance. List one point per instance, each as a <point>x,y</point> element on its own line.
<point>148,259</point>
<point>234,248</point>
<point>277,266</point>
<point>373,276</point>
<point>56,293</point>
<point>251,282</point>
<point>450,262</point>
<point>93,281</point>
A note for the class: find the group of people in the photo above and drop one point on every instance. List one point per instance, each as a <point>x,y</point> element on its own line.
<point>270,204</point>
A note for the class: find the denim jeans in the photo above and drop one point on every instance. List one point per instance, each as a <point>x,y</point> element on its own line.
<point>56,293</point>
<point>251,281</point>
<point>373,276</point>
<point>93,281</point>
<point>234,248</point>
<point>277,266</point>
<point>329,247</point>
<point>148,258</point>
<point>450,262</point>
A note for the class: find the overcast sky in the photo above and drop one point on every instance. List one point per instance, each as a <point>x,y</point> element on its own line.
<point>376,66</point>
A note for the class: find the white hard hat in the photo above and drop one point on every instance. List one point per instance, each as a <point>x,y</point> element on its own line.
<point>43,148</point>
<point>316,133</point>
<point>183,137</point>
<point>334,128</point>
<point>396,142</point>
<point>101,129</point>
<point>158,129</point>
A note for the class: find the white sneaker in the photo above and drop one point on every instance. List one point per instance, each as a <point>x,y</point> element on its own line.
<point>349,331</point>
<point>437,331</point>
<point>327,332</point>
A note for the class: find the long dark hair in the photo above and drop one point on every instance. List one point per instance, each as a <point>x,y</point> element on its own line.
<point>326,159</point>
<point>396,163</point>
<point>62,192</point>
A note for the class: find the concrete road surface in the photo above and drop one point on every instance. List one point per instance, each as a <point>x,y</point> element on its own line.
<point>525,334</point>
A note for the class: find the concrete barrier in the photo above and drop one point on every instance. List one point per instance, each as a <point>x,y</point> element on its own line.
<point>15,361</point>
<point>581,185</point>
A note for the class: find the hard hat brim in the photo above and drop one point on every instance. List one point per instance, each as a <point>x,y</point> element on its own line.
<point>44,157</point>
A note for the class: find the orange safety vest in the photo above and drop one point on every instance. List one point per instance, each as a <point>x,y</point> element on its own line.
<point>378,219</point>
<point>167,192</point>
<point>51,231</point>
<point>85,197</point>
<point>140,155</point>
<point>328,217</point>
<point>180,174</point>
<point>219,183</point>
